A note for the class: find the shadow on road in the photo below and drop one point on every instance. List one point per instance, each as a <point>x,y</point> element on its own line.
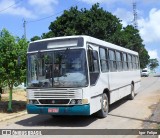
<point>65,121</point>
<point>156,76</point>
<point>123,101</point>
<point>118,103</point>
<point>62,121</point>
<point>131,118</point>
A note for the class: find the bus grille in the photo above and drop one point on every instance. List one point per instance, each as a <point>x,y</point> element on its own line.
<point>55,94</point>
<point>56,101</point>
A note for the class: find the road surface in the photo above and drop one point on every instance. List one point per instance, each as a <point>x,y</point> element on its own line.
<point>124,114</point>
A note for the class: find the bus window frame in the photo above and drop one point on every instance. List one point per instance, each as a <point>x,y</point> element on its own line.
<point>106,59</point>
<point>114,61</point>
<point>97,74</point>
<point>119,61</point>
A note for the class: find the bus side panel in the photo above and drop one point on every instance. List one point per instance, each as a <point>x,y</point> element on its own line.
<point>96,92</point>
<point>120,83</point>
<point>119,93</point>
<point>95,104</point>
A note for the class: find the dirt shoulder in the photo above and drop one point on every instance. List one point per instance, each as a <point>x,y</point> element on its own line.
<point>18,101</point>
<point>150,90</point>
<point>154,119</point>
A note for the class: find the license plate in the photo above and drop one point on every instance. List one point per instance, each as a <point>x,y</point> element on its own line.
<point>53,110</point>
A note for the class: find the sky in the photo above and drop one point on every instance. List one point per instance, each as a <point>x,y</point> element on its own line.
<point>38,15</point>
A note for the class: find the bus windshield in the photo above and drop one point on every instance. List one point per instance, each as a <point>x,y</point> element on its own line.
<point>61,68</point>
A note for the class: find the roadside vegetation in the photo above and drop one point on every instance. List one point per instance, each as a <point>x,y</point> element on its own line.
<point>18,100</point>
<point>12,63</point>
<point>153,64</point>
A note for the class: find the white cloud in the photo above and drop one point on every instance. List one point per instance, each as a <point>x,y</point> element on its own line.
<point>105,1</point>
<point>37,7</point>
<point>124,15</point>
<point>153,54</point>
<point>15,9</point>
<point>93,1</point>
<point>43,6</point>
<point>149,27</point>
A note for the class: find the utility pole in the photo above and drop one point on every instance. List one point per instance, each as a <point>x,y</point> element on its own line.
<point>24,26</point>
<point>135,24</point>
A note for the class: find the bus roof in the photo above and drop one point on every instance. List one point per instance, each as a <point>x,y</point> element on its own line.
<point>90,40</point>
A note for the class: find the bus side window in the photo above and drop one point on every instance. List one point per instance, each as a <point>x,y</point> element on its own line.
<point>93,66</point>
<point>130,62</point>
<point>137,62</point>
<point>125,64</point>
<point>112,58</point>
<point>104,60</point>
<point>134,62</point>
<point>119,61</point>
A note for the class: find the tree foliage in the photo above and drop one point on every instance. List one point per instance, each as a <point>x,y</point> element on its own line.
<point>35,38</point>
<point>11,72</point>
<point>101,24</point>
<point>153,63</point>
<point>94,22</point>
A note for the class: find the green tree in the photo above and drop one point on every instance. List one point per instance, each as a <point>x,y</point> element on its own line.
<point>144,57</point>
<point>35,38</point>
<point>95,22</point>
<point>12,72</point>
<point>130,38</point>
<point>101,24</point>
<point>153,64</point>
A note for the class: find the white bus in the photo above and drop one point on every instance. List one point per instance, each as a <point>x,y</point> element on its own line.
<point>79,75</point>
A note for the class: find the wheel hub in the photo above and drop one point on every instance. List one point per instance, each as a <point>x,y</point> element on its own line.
<point>104,105</point>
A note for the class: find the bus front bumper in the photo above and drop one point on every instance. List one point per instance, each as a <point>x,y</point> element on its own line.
<point>63,110</point>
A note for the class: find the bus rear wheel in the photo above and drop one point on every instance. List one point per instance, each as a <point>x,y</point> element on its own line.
<point>132,95</point>
<point>103,112</point>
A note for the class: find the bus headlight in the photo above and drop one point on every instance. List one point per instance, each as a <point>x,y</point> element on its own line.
<point>35,102</point>
<point>84,101</point>
<point>73,102</point>
<point>32,102</point>
<point>79,101</point>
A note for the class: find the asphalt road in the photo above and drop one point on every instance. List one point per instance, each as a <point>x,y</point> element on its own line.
<point>124,114</point>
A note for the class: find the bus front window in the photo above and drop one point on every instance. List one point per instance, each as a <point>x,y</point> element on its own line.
<point>63,68</point>
<point>40,70</point>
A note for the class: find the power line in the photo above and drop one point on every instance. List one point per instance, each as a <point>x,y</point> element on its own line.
<point>11,6</point>
<point>48,16</point>
<point>32,21</point>
<point>44,17</point>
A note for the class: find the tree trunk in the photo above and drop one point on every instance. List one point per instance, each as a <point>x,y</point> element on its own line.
<point>10,100</point>
<point>0,93</point>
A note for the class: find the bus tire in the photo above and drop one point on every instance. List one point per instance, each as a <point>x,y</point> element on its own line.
<point>103,112</point>
<point>132,95</point>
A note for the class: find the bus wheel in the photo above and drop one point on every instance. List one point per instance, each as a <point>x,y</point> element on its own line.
<point>131,96</point>
<point>104,106</point>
